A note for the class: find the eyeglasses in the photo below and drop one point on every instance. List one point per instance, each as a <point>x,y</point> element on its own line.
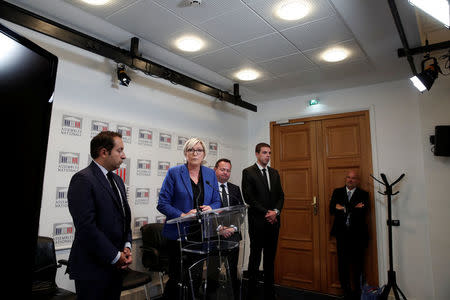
<point>195,150</point>
<point>225,170</point>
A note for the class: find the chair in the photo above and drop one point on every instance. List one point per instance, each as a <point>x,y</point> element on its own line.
<point>44,273</point>
<point>155,255</point>
<point>133,279</point>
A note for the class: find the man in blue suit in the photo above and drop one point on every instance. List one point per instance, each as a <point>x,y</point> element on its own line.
<point>101,215</point>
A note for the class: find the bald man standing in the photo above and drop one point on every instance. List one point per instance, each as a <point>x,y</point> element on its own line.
<point>349,206</point>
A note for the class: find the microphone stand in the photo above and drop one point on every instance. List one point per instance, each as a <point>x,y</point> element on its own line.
<point>392,282</point>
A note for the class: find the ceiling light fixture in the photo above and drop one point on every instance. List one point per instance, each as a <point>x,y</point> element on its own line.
<point>124,79</point>
<point>335,54</point>
<point>425,79</point>
<point>189,43</point>
<point>438,9</point>
<point>247,75</point>
<point>96,2</point>
<point>292,10</point>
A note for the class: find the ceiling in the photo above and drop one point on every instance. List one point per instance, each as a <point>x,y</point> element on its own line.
<point>246,33</point>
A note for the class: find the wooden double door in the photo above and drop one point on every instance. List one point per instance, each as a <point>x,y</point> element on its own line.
<point>313,156</point>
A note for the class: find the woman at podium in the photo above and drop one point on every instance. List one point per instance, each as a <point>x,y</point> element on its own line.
<point>187,189</point>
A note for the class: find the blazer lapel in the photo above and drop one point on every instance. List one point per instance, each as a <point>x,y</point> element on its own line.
<point>106,185</point>
<point>187,181</point>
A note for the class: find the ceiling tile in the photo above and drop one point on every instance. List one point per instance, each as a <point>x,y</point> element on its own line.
<point>220,60</point>
<point>102,11</point>
<point>318,34</point>
<point>288,64</point>
<point>318,9</point>
<point>205,11</point>
<point>144,16</point>
<point>265,48</point>
<point>236,26</point>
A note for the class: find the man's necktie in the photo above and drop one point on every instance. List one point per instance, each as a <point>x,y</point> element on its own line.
<point>224,196</point>
<point>114,188</point>
<point>347,221</point>
<point>265,178</point>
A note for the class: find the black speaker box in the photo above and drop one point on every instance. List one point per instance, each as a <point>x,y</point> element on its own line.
<point>442,140</point>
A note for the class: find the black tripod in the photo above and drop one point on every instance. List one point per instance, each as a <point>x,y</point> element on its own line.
<point>392,283</point>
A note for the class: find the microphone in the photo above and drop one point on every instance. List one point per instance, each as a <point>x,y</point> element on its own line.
<point>199,212</point>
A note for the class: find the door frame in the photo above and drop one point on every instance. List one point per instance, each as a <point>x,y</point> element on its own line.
<point>369,186</point>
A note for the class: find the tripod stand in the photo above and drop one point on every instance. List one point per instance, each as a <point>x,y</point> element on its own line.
<point>392,282</point>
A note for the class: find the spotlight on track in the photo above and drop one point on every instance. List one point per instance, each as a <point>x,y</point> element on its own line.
<point>124,79</point>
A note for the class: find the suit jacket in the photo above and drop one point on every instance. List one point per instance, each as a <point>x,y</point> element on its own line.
<point>358,228</point>
<point>101,228</point>
<point>234,194</point>
<point>235,198</point>
<point>256,195</point>
<point>176,195</point>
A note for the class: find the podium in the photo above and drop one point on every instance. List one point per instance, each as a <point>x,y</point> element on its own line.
<point>206,251</point>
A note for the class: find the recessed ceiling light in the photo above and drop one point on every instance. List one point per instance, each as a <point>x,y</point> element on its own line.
<point>247,74</point>
<point>335,55</point>
<point>189,43</point>
<point>96,2</point>
<point>292,10</point>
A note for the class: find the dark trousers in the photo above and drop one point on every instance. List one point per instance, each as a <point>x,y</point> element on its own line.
<point>263,237</point>
<point>350,252</point>
<point>105,289</point>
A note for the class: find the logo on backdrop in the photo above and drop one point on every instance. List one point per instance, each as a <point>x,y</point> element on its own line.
<point>124,171</point>
<point>144,167</point>
<point>125,131</point>
<point>139,222</point>
<point>213,147</point>
<point>63,234</point>
<point>142,196</point>
<point>163,166</point>
<point>165,140</point>
<point>181,141</point>
<point>61,197</point>
<point>98,126</point>
<point>71,125</point>
<point>68,162</point>
<point>145,137</point>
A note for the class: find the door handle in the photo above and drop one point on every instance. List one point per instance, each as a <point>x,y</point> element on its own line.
<point>315,206</point>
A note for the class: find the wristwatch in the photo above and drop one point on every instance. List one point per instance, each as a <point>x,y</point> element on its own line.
<point>277,211</point>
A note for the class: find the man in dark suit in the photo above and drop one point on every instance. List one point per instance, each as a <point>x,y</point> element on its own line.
<point>261,187</point>
<point>230,196</point>
<point>349,206</point>
<point>98,204</point>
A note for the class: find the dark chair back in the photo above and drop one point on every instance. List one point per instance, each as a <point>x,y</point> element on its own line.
<point>155,256</point>
<point>44,268</point>
<point>44,273</point>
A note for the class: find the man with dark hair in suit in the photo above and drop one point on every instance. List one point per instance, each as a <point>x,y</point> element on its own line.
<point>261,187</point>
<point>230,195</point>
<point>349,206</point>
<point>98,204</point>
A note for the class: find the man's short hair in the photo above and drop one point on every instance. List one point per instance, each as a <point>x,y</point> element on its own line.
<point>104,139</point>
<point>260,145</point>
<point>222,160</point>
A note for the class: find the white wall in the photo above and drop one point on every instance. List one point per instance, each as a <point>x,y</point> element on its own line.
<point>401,121</point>
<point>435,110</point>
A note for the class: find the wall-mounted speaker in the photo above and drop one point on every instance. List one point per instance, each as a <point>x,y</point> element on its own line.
<point>441,140</point>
